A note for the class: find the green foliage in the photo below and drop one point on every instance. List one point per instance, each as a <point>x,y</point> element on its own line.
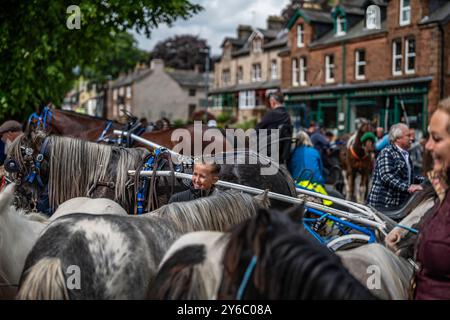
<point>38,53</point>
<point>182,52</point>
<point>249,124</point>
<point>177,123</point>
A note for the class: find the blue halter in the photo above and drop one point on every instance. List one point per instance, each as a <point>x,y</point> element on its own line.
<point>35,173</point>
<point>43,120</point>
<point>248,273</point>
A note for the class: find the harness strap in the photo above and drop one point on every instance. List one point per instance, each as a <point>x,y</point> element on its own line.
<point>107,127</point>
<point>35,173</point>
<point>251,266</point>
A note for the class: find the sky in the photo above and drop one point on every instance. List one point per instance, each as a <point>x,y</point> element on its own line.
<point>218,20</point>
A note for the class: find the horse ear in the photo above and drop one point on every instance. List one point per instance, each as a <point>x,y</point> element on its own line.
<point>263,217</point>
<point>263,199</point>
<point>6,197</point>
<point>297,212</point>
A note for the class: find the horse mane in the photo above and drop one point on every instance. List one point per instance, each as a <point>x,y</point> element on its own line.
<point>290,265</point>
<point>65,180</point>
<point>216,212</point>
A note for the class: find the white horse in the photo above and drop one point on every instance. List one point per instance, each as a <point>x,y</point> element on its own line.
<point>19,231</point>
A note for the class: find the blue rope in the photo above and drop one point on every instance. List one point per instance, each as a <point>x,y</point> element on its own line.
<point>246,278</point>
<point>407,228</point>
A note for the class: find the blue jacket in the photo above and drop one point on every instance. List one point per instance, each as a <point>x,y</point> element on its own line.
<point>305,157</point>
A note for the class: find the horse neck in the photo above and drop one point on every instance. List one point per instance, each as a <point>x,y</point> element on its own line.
<point>18,234</point>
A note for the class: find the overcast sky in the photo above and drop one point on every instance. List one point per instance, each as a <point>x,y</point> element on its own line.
<point>218,20</point>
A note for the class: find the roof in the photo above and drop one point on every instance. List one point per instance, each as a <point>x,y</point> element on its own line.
<point>353,6</point>
<point>234,41</point>
<point>357,31</point>
<point>310,15</point>
<point>441,14</point>
<point>249,86</point>
<point>355,86</point>
<point>131,77</point>
<point>187,78</point>
<point>279,42</point>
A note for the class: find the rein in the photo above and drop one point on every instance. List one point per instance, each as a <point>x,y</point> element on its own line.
<point>248,273</point>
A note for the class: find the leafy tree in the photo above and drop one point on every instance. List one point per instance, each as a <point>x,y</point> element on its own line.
<point>39,53</point>
<point>182,52</point>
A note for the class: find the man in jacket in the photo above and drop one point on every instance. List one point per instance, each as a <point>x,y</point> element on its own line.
<point>274,119</point>
<point>394,179</point>
<point>204,178</point>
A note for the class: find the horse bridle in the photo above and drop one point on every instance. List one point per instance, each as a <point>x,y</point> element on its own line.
<point>33,169</point>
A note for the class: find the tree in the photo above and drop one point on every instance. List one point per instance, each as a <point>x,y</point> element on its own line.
<point>39,52</point>
<point>182,52</point>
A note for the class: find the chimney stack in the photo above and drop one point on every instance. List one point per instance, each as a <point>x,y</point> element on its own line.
<point>244,31</point>
<point>275,23</point>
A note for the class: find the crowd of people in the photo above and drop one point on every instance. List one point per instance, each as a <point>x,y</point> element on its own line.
<point>397,174</point>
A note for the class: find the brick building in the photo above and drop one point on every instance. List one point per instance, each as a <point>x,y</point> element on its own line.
<point>336,69</point>
<point>248,69</point>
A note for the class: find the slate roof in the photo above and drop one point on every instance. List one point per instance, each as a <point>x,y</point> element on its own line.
<point>441,14</point>
<point>357,31</point>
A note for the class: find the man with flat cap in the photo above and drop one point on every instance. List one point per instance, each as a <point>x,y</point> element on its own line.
<point>9,131</point>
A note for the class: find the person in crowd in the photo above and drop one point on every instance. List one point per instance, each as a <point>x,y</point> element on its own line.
<point>416,152</point>
<point>9,131</point>
<point>275,118</point>
<point>319,141</point>
<point>432,281</point>
<point>382,140</point>
<point>204,178</point>
<point>305,161</point>
<point>394,180</point>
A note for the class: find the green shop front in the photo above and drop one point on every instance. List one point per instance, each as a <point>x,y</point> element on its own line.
<point>336,108</point>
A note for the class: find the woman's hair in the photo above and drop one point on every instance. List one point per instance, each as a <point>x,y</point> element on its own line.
<point>303,139</point>
<point>444,106</point>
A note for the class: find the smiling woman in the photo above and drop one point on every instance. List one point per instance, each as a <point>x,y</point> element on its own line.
<point>433,279</point>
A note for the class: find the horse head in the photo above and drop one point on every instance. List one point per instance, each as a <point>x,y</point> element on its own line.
<point>27,164</point>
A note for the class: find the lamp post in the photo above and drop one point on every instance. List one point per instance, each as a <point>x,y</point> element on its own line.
<point>206,51</point>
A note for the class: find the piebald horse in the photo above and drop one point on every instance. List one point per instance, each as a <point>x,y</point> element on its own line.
<point>19,231</point>
<point>118,256</point>
<point>267,257</point>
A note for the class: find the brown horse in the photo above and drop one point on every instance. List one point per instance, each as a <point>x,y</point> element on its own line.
<point>89,128</point>
<point>357,157</point>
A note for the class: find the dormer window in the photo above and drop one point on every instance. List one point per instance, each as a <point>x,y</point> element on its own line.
<point>257,45</point>
<point>405,12</point>
<point>341,26</point>
<point>300,36</point>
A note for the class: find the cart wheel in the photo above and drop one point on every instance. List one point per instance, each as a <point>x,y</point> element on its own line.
<point>348,241</point>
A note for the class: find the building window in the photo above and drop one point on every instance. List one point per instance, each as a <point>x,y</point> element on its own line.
<point>115,94</point>
<point>274,70</point>
<point>226,77</point>
<point>300,36</point>
<point>257,45</point>
<point>397,58</point>
<point>303,69</point>
<point>295,70</point>
<point>341,26</point>
<point>329,68</point>
<point>405,12</point>
<point>246,99</point>
<point>122,91</point>
<point>192,92</point>
<point>360,64</point>
<point>410,56</point>
<point>128,90</point>
<point>256,72</point>
<point>240,74</point>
